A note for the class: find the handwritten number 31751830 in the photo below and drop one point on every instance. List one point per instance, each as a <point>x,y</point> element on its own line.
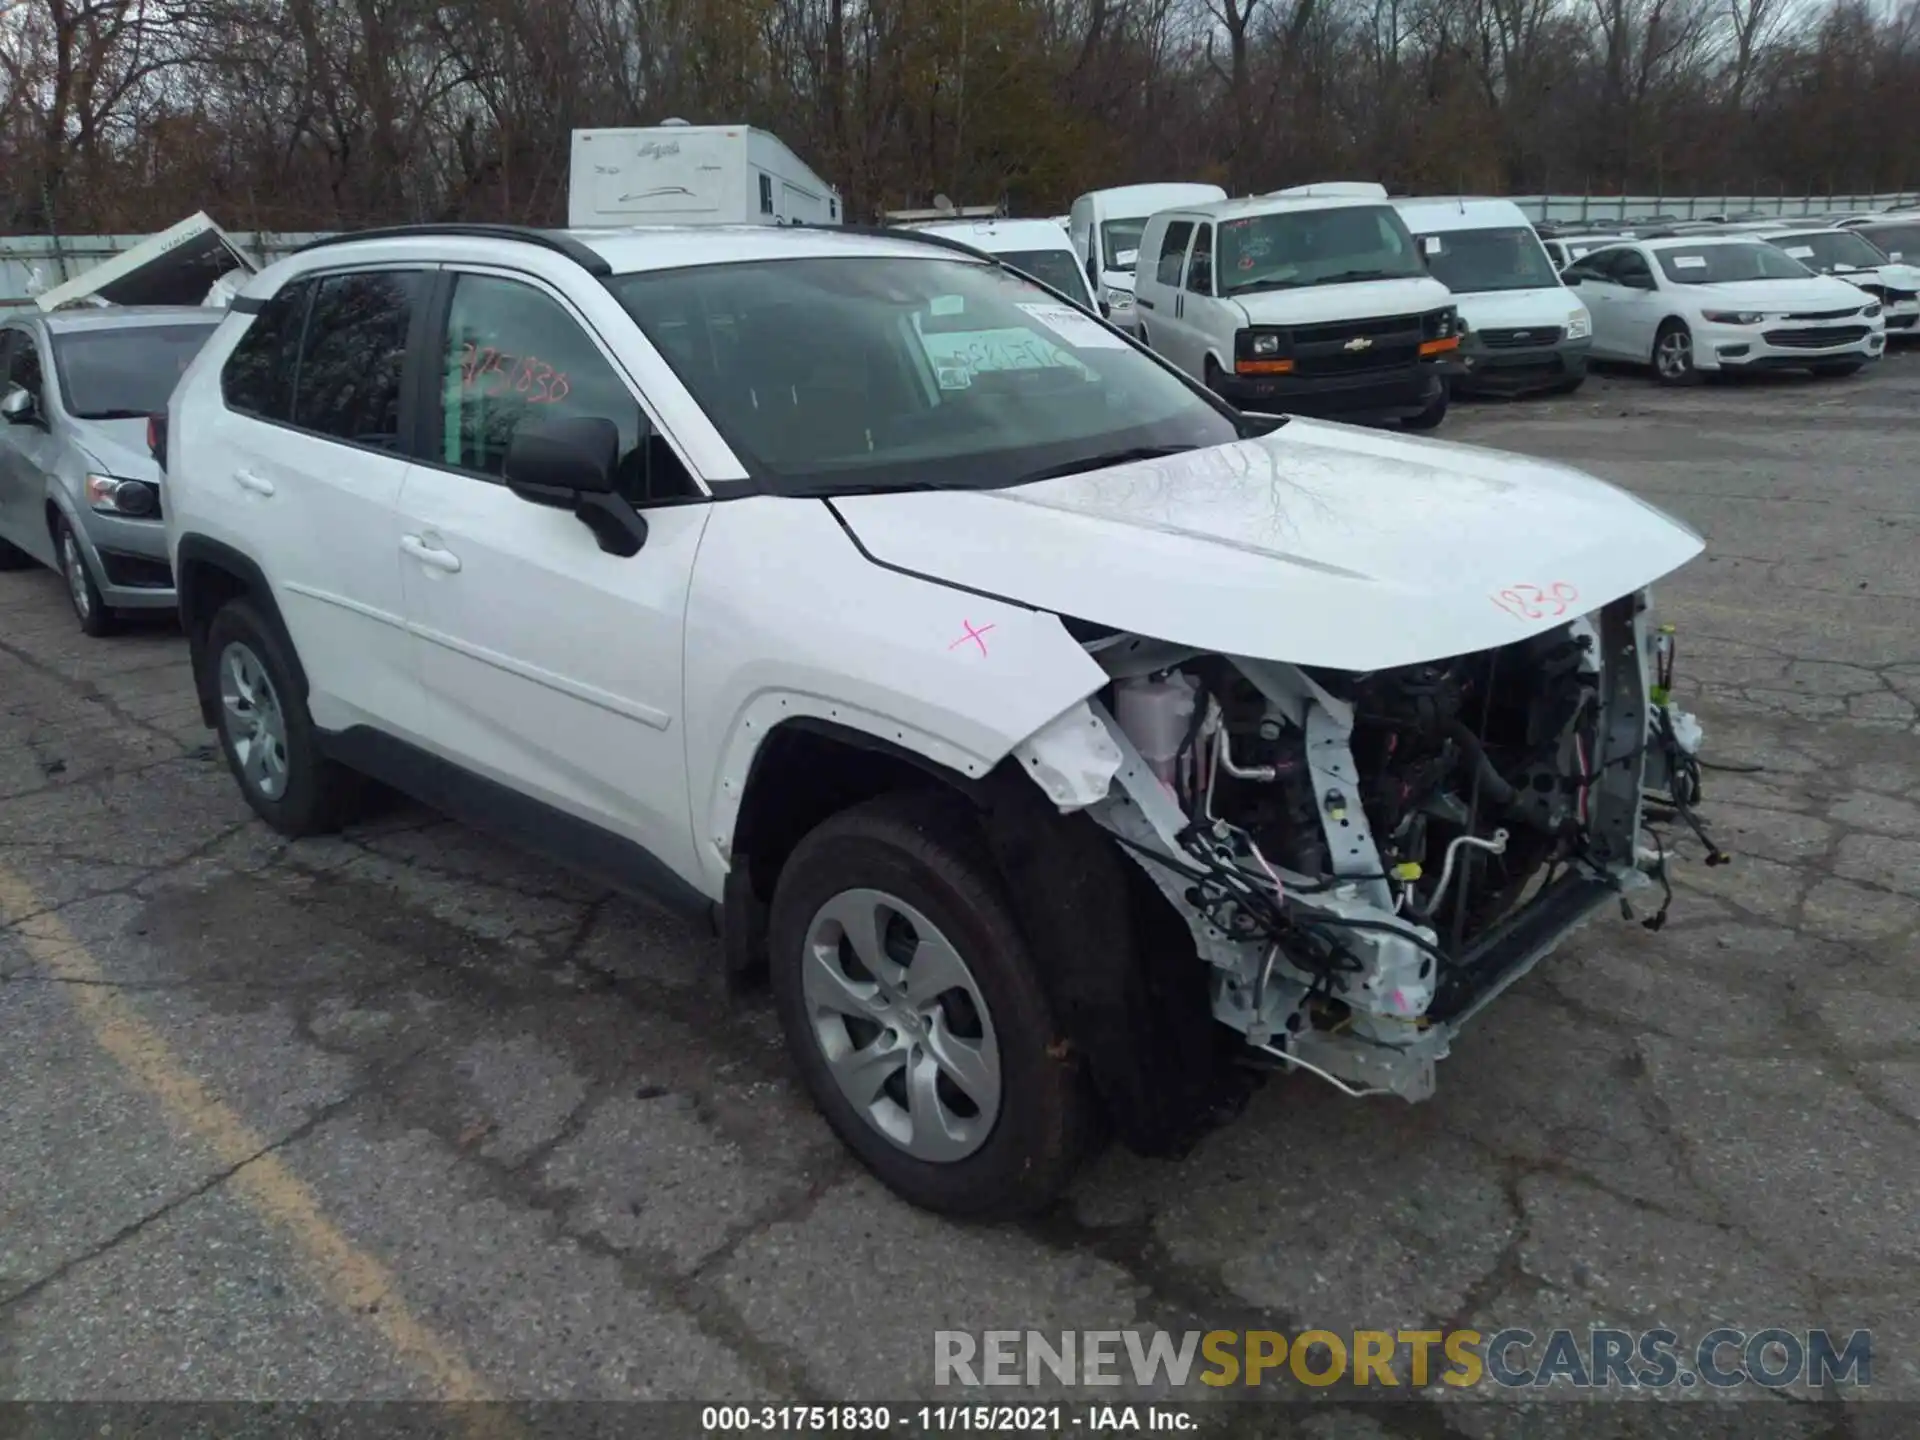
<point>495,374</point>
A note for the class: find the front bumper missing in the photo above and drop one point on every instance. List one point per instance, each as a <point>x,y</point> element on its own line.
<point>1399,1015</point>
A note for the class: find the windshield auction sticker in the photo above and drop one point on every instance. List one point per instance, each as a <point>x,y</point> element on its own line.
<point>1078,330</point>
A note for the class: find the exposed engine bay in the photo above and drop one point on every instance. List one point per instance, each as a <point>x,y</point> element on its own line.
<point>1364,860</point>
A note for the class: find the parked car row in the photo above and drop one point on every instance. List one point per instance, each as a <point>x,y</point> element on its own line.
<point>1822,294</point>
<point>1062,740</point>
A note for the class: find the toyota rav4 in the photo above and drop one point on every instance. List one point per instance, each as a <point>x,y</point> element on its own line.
<point>1067,745</point>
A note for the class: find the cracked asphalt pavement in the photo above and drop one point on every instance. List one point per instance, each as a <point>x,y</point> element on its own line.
<point>404,1113</point>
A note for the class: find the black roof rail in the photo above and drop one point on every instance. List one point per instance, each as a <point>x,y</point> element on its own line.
<point>903,232</point>
<point>560,243</point>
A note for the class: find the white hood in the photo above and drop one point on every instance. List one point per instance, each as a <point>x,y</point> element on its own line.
<point>1510,309</point>
<point>1361,300</point>
<point>1320,544</point>
<point>1816,292</point>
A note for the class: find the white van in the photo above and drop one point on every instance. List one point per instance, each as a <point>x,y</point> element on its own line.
<point>1105,227</point>
<point>1319,305</point>
<point>1039,248</point>
<point>1521,328</point>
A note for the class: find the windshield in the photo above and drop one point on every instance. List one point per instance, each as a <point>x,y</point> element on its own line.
<point>1724,264</point>
<point>1057,268</point>
<point>1469,262</point>
<point>1897,242</point>
<point>1831,250</point>
<point>1120,243</point>
<point>124,373</point>
<point>843,375</point>
<point>1326,246</point>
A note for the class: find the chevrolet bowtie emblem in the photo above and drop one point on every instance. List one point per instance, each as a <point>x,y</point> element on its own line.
<point>1358,342</point>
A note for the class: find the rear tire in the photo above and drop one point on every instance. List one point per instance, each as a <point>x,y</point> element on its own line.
<point>1673,355</point>
<point>12,557</point>
<point>1430,418</point>
<point>88,608</point>
<point>1835,369</point>
<point>266,732</point>
<point>915,1015</point>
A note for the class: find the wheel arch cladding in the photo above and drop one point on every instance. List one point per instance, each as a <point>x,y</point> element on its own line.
<point>209,574</point>
<point>803,771</point>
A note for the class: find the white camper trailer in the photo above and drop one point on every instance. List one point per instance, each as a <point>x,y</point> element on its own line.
<point>681,174</point>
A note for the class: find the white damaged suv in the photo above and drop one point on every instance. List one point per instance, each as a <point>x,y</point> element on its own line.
<point>1068,745</point>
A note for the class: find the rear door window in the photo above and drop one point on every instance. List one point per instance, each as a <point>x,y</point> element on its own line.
<point>354,357</point>
<point>259,375</point>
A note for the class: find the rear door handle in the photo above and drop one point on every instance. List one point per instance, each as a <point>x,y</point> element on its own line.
<point>1143,304</point>
<point>430,554</point>
<point>258,484</point>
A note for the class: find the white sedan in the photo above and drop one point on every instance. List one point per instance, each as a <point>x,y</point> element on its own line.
<point>1712,303</point>
<point>1852,257</point>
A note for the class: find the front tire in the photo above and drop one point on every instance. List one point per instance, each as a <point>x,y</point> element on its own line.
<point>12,557</point>
<point>1673,355</point>
<point>1430,418</point>
<point>88,608</point>
<point>915,1013</point>
<point>266,732</point>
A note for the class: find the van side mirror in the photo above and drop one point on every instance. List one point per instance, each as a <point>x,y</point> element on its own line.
<point>19,407</point>
<point>571,464</point>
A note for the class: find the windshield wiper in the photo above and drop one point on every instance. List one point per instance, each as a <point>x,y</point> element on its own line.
<point>1105,461</point>
<point>1348,277</point>
<point>112,414</point>
<point>1253,285</point>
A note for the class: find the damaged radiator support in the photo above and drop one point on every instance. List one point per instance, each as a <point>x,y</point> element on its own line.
<point>1256,807</point>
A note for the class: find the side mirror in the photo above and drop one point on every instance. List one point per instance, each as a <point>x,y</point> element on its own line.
<point>19,407</point>
<point>571,464</point>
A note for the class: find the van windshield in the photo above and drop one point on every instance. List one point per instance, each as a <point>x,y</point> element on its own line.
<point>1120,243</point>
<point>849,375</point>
<point>1472,262</point>
<point>1319,246</point>
<point>1057,268</point>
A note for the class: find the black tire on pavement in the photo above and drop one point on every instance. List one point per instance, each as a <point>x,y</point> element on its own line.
<point>925,854</point>
<point>95,618</point>
<point>259,704</point>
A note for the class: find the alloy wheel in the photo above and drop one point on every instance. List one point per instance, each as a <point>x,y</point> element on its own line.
<point>1675,354</point>
<point>902,1025</point>
<point>255,725</point>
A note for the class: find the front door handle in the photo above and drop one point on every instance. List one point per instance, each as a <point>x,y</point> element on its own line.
<point>258,484</point>
<point>430,554</point>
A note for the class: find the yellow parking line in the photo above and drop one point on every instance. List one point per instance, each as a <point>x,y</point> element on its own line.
<point>350,1277</point>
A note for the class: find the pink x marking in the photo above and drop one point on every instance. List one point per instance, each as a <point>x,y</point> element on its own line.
<point>973,635</point>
